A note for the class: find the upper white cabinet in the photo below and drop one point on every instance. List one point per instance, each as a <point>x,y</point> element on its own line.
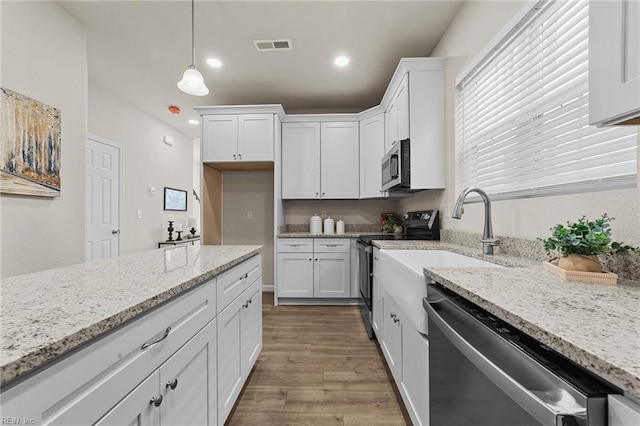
<point>320,160</point>
<point>237,137</point>
<point>301,160</point>
<point>372,149</point>
<point>614,62</point>
<point>397,115</point>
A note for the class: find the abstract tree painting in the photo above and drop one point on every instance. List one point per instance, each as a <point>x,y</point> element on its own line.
<point>29,146</point>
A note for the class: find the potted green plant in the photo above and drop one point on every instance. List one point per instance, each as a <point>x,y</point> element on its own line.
<point>393,224</point>
<point>578,244</point>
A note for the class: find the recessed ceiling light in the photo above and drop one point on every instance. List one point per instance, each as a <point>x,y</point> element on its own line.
<point>194,122</point>
<point>341,61</point>
<point>213,62</point>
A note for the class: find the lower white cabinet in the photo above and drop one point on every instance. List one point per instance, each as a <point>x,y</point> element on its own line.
<point>407,354</point>
<point>240,340</point>
<point>323,270</point>
<point>162,368</point>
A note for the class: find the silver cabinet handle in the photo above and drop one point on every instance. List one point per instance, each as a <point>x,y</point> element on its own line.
<point>244,276</point>
<point>172,384</point>
<point>166,334</point>
<point>396,320</point>
<point>332,245</point>
<point>394,142</point>
<point>375,258</point>
<point>295,245</point>
<point>246,305</point>
<point>234,156</point>
<point>240,156</point>
<point>310,260</point>
<point>317,194</point>
<point>156,400</point>
<point>393,315</point>
<point>115,231</point>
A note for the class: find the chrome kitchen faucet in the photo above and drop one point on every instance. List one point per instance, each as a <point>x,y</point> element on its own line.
<point>488,242</point>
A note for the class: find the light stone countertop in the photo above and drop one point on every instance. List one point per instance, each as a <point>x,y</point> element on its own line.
<point>49,313</point>
<point>310,235</point>
<point>595,325</point>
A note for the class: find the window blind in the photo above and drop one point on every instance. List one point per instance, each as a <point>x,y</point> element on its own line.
<point>522,114</point>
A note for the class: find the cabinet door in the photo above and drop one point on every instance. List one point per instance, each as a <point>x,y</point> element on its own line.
<point>255,137</point>
<point>402,106</point>
<point>415,373</point>
<point>300,160</point>
<point>614,61</point>
<point>392,337</point>
<point>219,138</point>
<point>295,274</point>
<point>188,382</point>
<point>251,321</point>
<point>391,125</point>
<point>340,171</point>
<point>331,275</point>
<point>136,408</point>
<point>230,377</point>
<point>371,153</point>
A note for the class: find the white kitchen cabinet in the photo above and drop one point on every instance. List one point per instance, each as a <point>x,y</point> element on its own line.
<point>406,352</point>
<point>614,62</point>
<point>372,149</point>
<point>295,274</point>
<point>622,411</point>
<point>240,344</point>
<point>136,408</point>
<point>301,160</point>
<point>322,271</point>
<point>237,137</point>
<point>392,341</point>
<point>376,302</point>
<point>397,115</point>
<point>320,161</point>
<point>331,275</point>
<point>339,161</point>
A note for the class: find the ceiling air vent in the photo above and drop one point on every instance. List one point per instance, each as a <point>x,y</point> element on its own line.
<point>265,45</point>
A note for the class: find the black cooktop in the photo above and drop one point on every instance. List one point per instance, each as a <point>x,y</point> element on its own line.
<point>420,225</point>
<point>372,237</point>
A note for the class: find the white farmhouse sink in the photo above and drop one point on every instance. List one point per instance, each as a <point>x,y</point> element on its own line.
<point>402,277</point>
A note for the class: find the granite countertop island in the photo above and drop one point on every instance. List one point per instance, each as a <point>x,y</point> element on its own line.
<point>595,325</point>
<point>47,314</point>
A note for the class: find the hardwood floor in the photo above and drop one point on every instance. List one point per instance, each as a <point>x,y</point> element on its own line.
<point>318,367</point>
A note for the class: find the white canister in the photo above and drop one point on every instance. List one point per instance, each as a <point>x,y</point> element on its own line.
<point>328,226</point>
<point>315,227</point>
<point>339,227</point>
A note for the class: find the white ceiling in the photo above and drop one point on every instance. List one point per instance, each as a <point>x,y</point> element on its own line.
<point>139,49</point>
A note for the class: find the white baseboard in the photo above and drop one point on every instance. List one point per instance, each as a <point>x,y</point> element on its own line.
<point>267,288</point>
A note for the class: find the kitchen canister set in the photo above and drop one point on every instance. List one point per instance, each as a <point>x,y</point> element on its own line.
<point>330,227</point>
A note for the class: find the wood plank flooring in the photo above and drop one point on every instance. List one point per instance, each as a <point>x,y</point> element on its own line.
<point>318,367</point>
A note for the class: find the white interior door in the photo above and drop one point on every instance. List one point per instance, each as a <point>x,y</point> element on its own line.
<point>102,200</point>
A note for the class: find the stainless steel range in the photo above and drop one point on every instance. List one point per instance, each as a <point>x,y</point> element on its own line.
<point>419,225</point>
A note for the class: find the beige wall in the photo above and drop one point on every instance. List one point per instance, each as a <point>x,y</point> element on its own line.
<point>147,161</point>
<point>474,26</point>
<point>44,56</point>
<point>352,212</point>
<point>243,192</point>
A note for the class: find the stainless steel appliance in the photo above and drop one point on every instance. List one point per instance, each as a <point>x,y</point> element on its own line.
<point>420,225</point>
<point>396,167</point>
<point>483,371</point>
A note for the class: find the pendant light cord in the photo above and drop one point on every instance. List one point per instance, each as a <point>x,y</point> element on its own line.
<point>193,45</point>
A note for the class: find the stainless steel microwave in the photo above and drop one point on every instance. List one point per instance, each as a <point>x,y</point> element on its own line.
<point>396,167</point>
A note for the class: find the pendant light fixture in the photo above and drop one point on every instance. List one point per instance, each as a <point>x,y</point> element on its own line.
<point>192,82</point>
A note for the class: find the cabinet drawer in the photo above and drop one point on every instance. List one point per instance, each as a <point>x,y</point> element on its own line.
<point>331,245</point>
<point>94,379</point>
<point>233,282</point>
<point>295,245</point>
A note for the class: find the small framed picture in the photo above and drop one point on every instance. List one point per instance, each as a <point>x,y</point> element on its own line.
<point>175,199</point>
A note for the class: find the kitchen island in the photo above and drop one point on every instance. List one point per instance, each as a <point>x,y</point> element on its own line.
<point>78,339</point>
<point>597,326</point>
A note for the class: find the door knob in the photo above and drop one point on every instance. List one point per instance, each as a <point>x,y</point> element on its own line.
<point>172,384</point>
<point>156,401</point>
<point>115,231</point>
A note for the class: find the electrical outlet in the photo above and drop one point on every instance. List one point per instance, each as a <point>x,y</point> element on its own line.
<point>249,215</point>
<point>139,214</point>
<point>323,214</point>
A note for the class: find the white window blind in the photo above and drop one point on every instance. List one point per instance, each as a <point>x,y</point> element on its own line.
<point>522,114</point>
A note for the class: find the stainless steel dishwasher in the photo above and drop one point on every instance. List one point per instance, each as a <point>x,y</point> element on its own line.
<point>483,371</point>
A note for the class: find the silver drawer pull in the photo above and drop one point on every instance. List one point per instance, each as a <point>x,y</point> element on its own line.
<point>332,245</point>
<point>244,276</point>
<point>295,245</point>
<point>172,384</point>
<point>396,319</point>
<point>156,401</point>
<point>166,334</point>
